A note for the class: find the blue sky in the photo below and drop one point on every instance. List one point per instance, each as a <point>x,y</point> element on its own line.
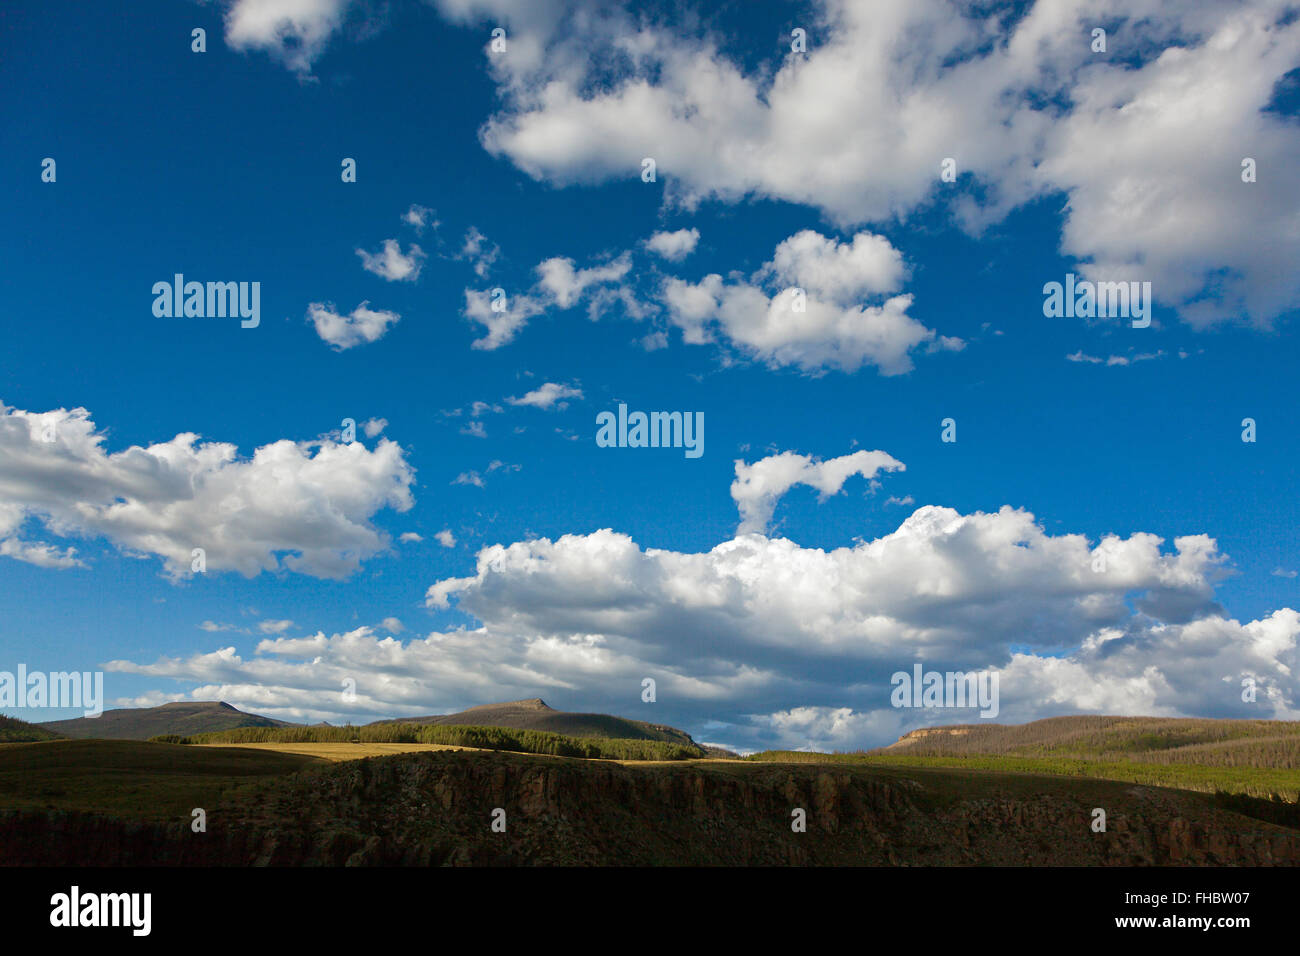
<point>225,166</point>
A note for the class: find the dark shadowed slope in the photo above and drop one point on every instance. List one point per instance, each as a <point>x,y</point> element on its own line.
<point>14,731</point>
<point>127,803</point>
<point>141,723</point>
<point>533,714</point>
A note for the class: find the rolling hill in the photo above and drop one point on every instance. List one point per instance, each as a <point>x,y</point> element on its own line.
<point>534,714</point>
<point>141,723</point>
<point>14,731</point>
<point>1151,740</point>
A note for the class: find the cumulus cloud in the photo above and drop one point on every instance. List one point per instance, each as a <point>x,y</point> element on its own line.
<point>361,326</point>
<point>673,246</point>
<point>564,284</point>
<point>772,644</point>
<point>819,304</point>
<point>547,396</point>
<point>305,506</point>
<point>299,678</point>
<point>274,627</point>
<point>501,316</point>
<point>806,308</point>
<point>758,487</point>
<point>446,538</point>
<point>392,264</point>
<point>41,554</point>
<point>409,537</point>
<point>1015,96</point>
<point>296,32</point>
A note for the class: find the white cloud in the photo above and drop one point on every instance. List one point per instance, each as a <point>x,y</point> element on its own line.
<point>393,625</point>
<point>827,327</point>
<point>475,428</point>
<point>479,251</point>
<point>274,627</point>
<point>758,487</point>
<point>673,246</point>
<point>306,506</point>
<point>446,538</point>
<point>1016,97</point>
<point>420,217</point>
<point>41,554</point>
<point>409,537</point>
<point>1114,360</point>
<point>564,285</point>
<point>392,264</point>
<point>840,273</point>
<point>791,646</point>
<point>295,32</point>
<point>560,284</point>
<point>504,324</point>
<point>361,326</point>
<point>547,396</point>
<point>374,427</point>
<point>942,584</point>
<point>1284,573</point>
<point>475,478</point>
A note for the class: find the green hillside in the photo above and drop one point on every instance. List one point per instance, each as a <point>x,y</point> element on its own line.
<point>14,731</point>
<point>131,779</point>
<point>1258,758</point>
<point>483,738</point>
<point>1160,740</point>
<point>534,714</point>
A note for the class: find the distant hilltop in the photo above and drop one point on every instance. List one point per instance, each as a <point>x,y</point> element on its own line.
<point>181,717</point>
<point>187,718</point>
<point>1215,741</point>
<point>534,714</point>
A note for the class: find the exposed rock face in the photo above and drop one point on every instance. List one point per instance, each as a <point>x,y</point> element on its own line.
<point>914,736</point>
<point>436,808</point>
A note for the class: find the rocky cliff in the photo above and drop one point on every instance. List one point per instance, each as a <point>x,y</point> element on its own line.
<point>437,808</point>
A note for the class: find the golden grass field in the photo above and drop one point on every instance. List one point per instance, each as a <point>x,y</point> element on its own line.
<point>336,752</point>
